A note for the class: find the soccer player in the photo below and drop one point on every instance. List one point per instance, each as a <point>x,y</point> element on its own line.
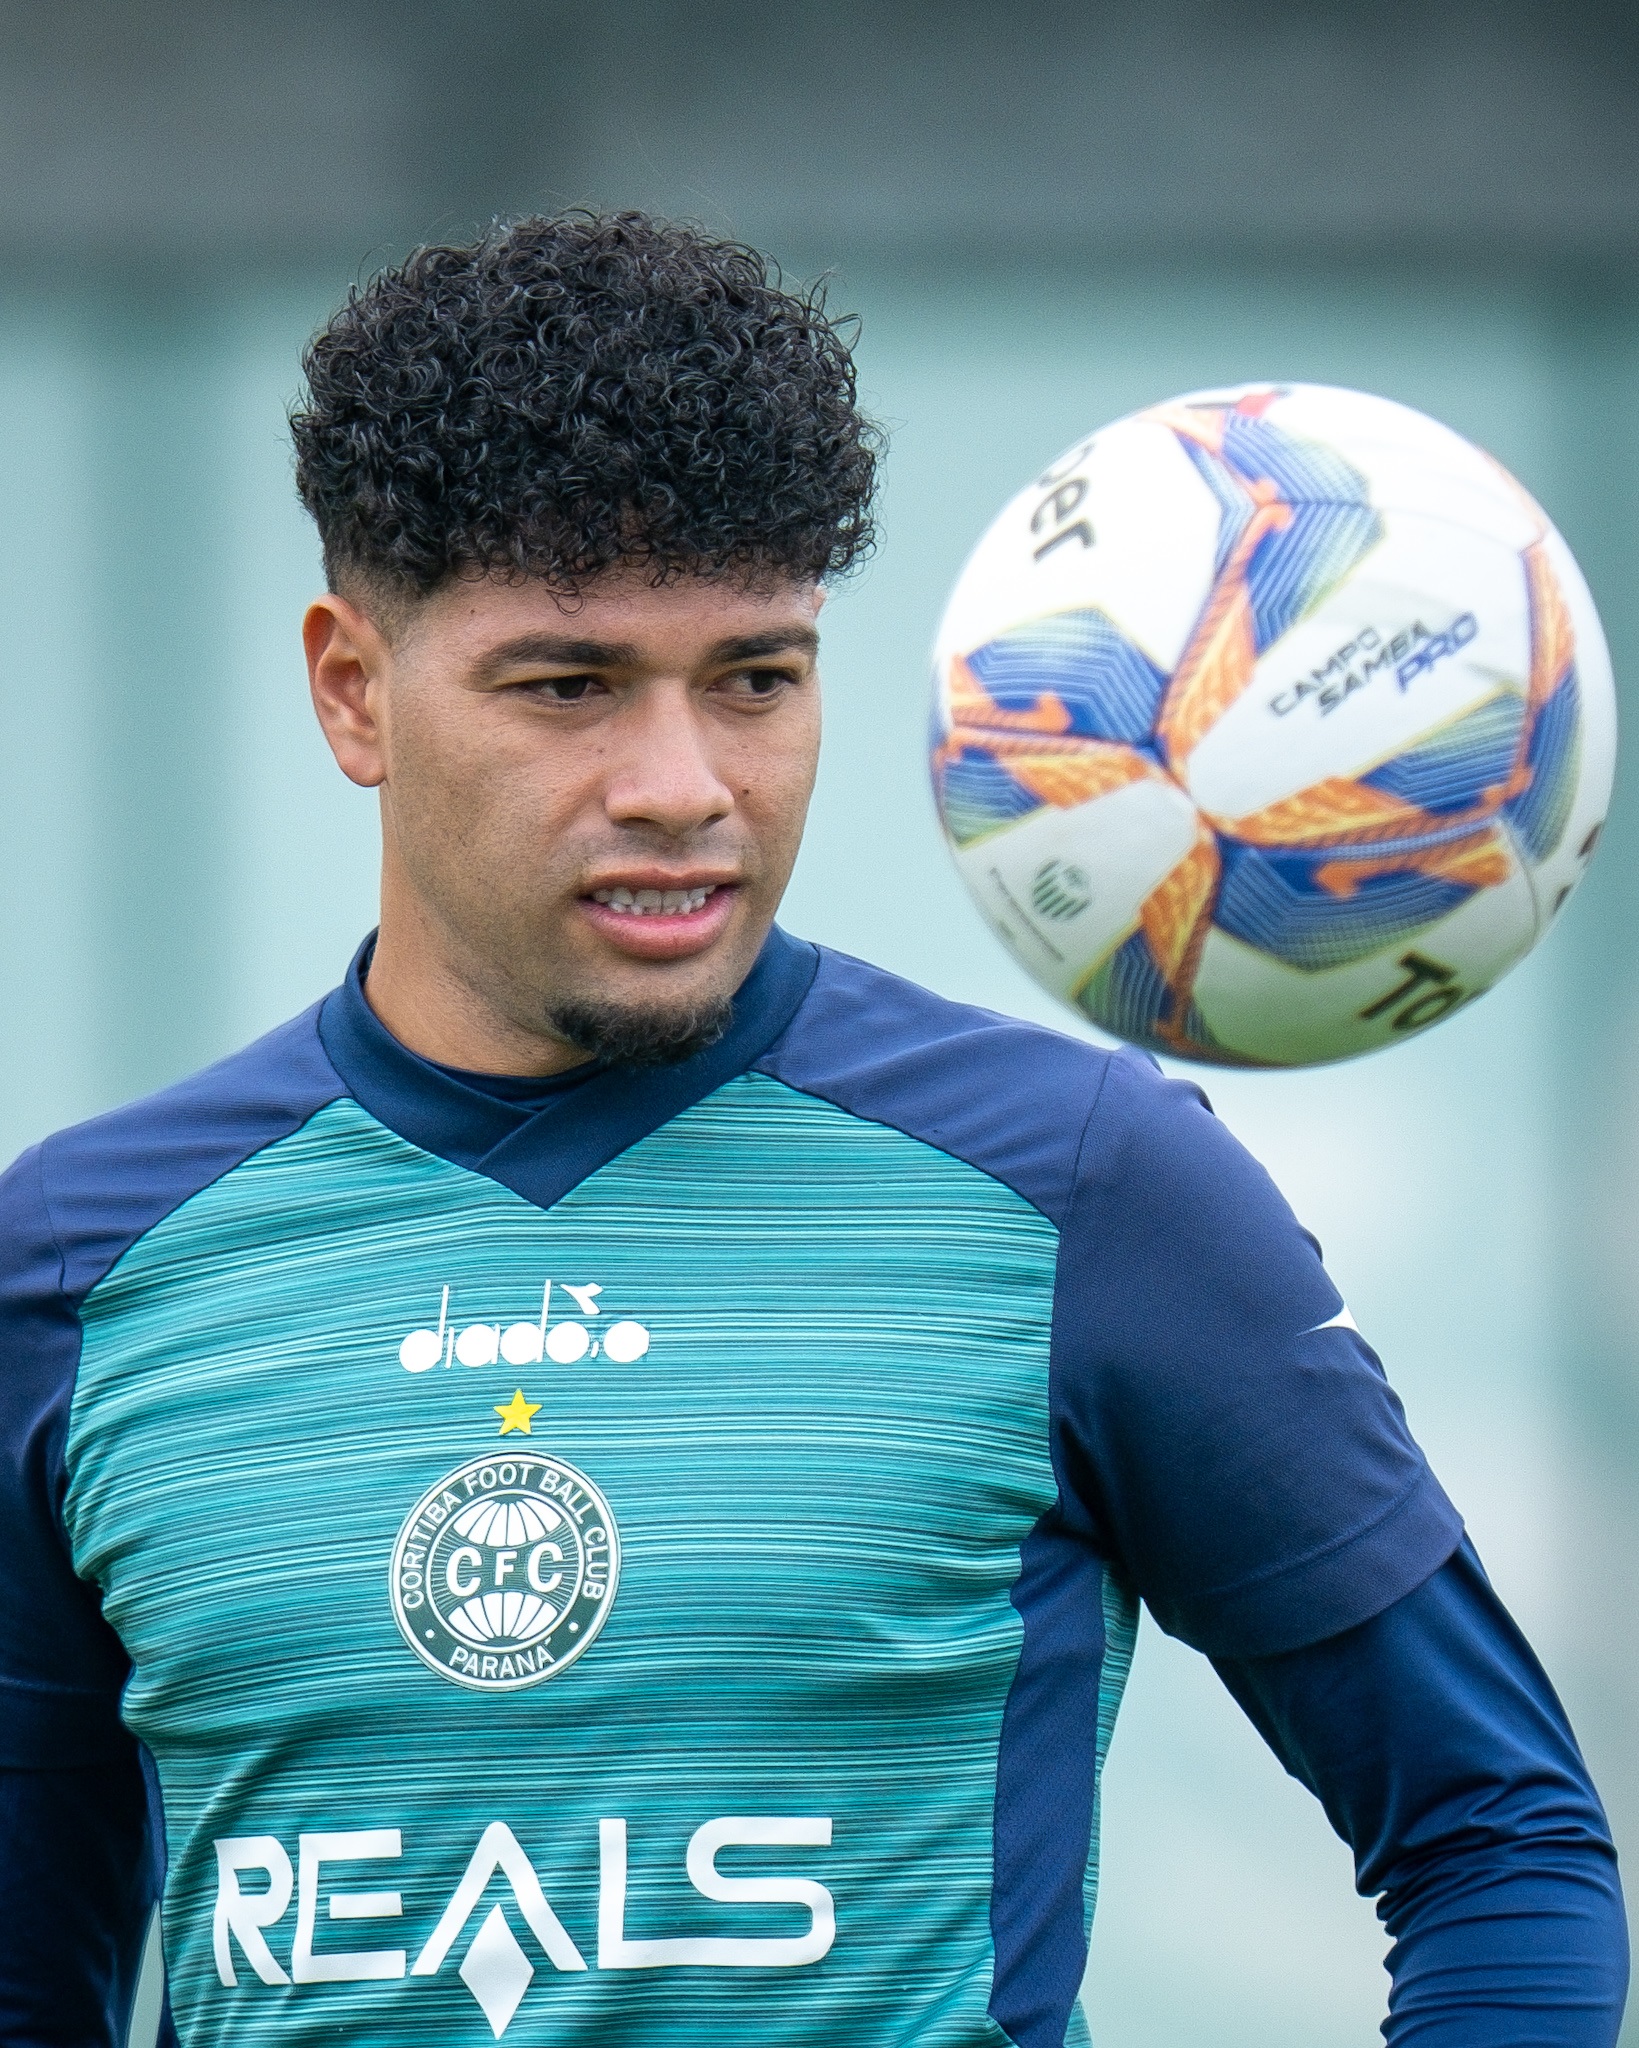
<point>594,1487</point>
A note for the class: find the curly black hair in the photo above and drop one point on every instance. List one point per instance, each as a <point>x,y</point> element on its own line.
<point>571,392</point>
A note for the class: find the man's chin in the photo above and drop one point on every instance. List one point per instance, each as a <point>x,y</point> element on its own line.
<point>629,1035</point>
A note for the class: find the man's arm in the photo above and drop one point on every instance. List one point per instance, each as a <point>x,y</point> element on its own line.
<point>1227,1437</point>
<point>79,1822</point>
<point>1435,1742</point>
<point>79,1877</point>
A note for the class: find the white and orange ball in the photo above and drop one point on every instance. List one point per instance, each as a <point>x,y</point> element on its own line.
<point>1271,725</point>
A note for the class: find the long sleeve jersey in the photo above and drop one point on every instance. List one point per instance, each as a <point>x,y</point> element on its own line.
<point>655,1556</point>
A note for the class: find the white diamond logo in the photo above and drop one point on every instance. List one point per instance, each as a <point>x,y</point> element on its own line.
<point>496,1971</point>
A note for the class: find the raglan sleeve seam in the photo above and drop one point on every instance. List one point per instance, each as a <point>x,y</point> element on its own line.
<point>1068,1491</point>
<point>1086,1132</point>
<point>60,1506</point>
<point>51,1222</point>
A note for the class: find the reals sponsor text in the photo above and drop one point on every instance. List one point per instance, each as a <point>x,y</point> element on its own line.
<point>495,1966</point>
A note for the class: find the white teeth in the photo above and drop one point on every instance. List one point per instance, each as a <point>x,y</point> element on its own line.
<point>655,902</point>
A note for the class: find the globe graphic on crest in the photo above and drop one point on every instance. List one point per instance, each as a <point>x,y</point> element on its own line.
<point>492,1541</point>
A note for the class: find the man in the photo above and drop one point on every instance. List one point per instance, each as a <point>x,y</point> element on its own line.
<point>595,1485</point>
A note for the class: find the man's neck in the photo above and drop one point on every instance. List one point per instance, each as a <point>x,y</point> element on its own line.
<point>427,1005</point>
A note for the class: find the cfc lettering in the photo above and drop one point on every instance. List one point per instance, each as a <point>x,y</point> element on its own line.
<point>459,1576</point>
<point>533,1568</point>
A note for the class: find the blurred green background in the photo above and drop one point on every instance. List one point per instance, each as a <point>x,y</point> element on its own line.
<point>1044,217</point>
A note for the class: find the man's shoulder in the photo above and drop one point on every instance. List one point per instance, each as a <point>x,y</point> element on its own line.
<point>98,1186</point>
<point>1011,1098</point>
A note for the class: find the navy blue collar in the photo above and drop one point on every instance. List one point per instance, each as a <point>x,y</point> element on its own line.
<point>543,1151</point>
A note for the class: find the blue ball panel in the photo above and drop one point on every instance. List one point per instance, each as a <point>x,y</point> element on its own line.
<point>1303,471</point>
<point>1234,506</point>
<point>1540,812</point>
<point>1128,995</point>
<point>1273,902</point>
<point>1294,567</point>
<point>1111,691</point>
<point>1333,521</point>
<point>977,795</point>
<point>1452,769</point>
<point>1129,999</point>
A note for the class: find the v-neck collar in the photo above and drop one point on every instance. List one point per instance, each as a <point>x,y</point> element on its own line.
<point>543,1151</point>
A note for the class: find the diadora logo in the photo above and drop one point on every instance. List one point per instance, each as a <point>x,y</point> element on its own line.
<point>505,1571</point>
<point>526,1343</point>
<point>495,1967</point>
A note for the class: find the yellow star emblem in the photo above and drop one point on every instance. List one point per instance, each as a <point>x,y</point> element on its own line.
<point>516,1414</point>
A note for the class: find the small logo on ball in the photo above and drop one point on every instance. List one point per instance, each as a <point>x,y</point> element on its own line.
<point>1061,890</point>
<point>505,1571</point>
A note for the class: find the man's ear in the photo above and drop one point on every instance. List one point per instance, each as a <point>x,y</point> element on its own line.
<point>347,662</point>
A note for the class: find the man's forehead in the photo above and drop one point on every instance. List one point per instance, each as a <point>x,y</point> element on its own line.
<point>624,612</point>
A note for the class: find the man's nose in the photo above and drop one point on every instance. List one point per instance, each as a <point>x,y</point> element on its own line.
<point>664,774</point>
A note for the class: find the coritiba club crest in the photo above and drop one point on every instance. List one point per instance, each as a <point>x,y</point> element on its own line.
<point>504,1571</point>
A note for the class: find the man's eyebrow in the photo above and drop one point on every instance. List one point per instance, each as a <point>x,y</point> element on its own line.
<point>754,646</point>
<point>555,648</point>
<point>563,652</point>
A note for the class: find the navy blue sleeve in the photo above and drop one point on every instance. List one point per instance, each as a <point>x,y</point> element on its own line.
<point>81,1832</point>
<point>1223,1430</point>
<point>79,1873</point>
<point>1435,1742</point>
<point>61,1666</point>
<point>68,1210</point>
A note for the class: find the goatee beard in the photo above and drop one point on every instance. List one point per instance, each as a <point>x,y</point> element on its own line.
<point>641,1038</point>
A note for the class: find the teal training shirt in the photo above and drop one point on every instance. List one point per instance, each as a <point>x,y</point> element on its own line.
<point>657,1562</point>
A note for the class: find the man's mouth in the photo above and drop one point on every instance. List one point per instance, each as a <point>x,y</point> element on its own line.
<point>646,920</point>
<point>655,902</point>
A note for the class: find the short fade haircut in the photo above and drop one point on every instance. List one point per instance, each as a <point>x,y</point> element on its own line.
<point>576,391</point>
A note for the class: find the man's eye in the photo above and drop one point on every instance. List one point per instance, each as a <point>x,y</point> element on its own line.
<point>566,689</point>
<point>759,682</point>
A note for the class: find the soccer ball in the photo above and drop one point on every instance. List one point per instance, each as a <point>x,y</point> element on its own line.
<point>1271,725</point>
